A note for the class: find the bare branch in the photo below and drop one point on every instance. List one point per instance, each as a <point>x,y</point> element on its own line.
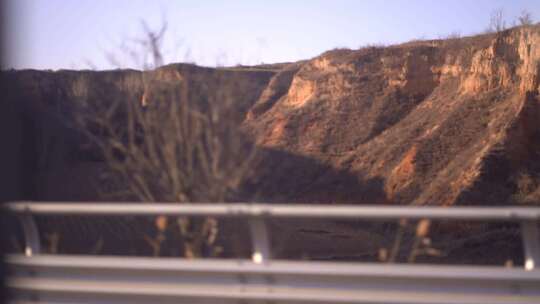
<point>497,23</point>
<point>176,144</point>
<point>525,18</point>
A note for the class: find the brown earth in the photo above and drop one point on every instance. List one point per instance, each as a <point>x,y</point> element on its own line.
<point>440,122</point>
<point>443,122</point>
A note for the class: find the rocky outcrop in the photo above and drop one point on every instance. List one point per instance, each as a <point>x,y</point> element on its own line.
<point>438,122</point>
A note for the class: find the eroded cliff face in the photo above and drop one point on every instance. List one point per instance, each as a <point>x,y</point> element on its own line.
<point>434,122</point>
<point>50,165</point>
<point>56,161</point>
<point>439,122</point>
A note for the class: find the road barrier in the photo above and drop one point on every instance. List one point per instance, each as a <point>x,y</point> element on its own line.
<point>41,278</point>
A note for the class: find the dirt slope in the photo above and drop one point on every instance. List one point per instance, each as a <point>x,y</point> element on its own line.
<point>439,122</point>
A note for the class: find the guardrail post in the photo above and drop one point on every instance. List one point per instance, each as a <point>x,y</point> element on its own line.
<point>259,240</point>
<point>31,235</point>
<point>531,245</point>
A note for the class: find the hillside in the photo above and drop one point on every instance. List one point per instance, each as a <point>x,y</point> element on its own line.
<point>442,122</point>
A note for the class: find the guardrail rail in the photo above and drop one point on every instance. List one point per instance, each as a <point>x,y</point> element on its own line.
<point>42,278</point>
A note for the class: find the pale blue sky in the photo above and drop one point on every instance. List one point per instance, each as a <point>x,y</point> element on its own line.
<point>54,34</point>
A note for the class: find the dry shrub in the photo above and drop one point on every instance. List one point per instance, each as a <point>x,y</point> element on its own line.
<point>497,23</point>
<point>527,189</point>
<point>525,18</point>
<point>172,145</point>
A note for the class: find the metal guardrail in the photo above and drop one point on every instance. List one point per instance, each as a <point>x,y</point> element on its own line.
<point>91,279</point>
<point>82,279</point>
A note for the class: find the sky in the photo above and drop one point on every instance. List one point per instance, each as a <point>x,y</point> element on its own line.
<point>83,34</point>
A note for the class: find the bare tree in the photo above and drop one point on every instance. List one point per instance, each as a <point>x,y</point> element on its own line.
<point>172,145</point>
<point>497,23</point>
<point>525,18</point>
<point>144,52</point>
